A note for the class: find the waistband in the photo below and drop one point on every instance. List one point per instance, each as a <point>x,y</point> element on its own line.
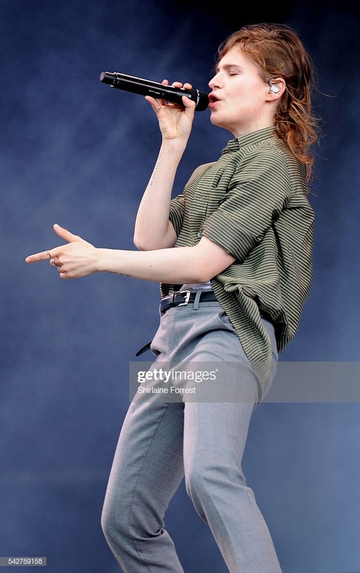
<point>186,297</point>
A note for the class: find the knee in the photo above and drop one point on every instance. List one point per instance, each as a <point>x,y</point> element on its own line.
<point>205,480</point>
<point>198,482</point>
<point>123,522</point>
<point>113,523</point>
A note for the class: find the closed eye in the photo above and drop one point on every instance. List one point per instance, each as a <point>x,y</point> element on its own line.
<point>231,69</point>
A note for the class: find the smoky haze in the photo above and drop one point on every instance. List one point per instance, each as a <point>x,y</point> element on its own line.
<point>75,152</point>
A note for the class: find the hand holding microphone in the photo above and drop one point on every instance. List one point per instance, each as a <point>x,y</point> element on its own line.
<point>155,89</point>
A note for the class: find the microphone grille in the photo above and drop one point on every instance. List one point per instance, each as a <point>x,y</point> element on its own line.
<point>202,101</point>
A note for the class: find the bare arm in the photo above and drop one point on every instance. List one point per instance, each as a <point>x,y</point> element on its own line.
<point>79,258</point>
<point>153,230</point>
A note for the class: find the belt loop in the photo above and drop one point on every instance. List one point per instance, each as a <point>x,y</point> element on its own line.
<point>197,298</point>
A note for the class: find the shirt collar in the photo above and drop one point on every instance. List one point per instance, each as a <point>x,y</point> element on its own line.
<point>249,139</point>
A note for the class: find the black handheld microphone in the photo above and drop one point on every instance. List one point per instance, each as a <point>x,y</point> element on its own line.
<point>154,89</point>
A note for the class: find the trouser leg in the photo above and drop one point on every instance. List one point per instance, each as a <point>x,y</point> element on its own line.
<point>214,441</point>
<point>147,470</point>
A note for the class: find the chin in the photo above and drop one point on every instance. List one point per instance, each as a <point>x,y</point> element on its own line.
<point>215,120</point>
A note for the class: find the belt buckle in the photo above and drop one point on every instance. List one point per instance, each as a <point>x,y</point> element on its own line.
<point>187,298</point>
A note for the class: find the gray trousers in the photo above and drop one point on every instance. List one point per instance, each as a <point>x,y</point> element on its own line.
<point>161,442</point>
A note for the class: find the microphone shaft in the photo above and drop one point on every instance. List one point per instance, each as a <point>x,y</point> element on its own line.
<point>154,89</point>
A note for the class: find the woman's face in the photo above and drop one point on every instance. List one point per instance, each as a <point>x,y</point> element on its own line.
<point>240,101</point>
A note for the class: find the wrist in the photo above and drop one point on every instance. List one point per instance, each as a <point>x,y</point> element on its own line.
<point>102,262</point>
<point>112,261</point>
<point>175,147</point>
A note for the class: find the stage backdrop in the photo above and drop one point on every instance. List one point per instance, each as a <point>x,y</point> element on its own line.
<point>77,153</point>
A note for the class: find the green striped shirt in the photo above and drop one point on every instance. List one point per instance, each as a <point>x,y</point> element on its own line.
<point>252,202</point>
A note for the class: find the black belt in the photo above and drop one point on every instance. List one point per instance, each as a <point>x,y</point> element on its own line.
<point>186,297</point>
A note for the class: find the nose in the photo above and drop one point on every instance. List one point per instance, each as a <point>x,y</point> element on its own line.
<point>214,82</point>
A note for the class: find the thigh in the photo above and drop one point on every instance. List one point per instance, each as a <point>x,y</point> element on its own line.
<point>215,432</point>
<point>148,463</point>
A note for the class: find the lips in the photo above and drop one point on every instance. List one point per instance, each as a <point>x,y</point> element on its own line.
<point>213,100</point>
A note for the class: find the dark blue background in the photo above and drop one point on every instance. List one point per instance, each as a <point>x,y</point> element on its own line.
<point>79,154</point>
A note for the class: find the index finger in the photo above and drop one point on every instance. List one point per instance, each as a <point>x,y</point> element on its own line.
<point>43,256</point>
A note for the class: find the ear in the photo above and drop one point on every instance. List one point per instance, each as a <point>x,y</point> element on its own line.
<point>276,89</point>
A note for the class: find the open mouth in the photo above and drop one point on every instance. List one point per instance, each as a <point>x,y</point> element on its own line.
<point>213,99</point>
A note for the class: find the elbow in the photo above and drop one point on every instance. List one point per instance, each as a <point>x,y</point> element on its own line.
<point>143,243</point>
<point>205,277</point>
<point>203,273</point>
<point>209,260</point>
<point>138,244</point>
<point>153,243</point>
<point>148,244</point>
<point>152,240</point>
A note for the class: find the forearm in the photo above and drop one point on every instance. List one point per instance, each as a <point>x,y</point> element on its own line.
<point>152,227</point>
<point>169,265</point>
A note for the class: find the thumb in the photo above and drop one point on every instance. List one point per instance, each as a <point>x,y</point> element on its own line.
<point>65,234</point>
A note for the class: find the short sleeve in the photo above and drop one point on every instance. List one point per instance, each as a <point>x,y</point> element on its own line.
<point>176,214</point>
<point>256,197</point>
